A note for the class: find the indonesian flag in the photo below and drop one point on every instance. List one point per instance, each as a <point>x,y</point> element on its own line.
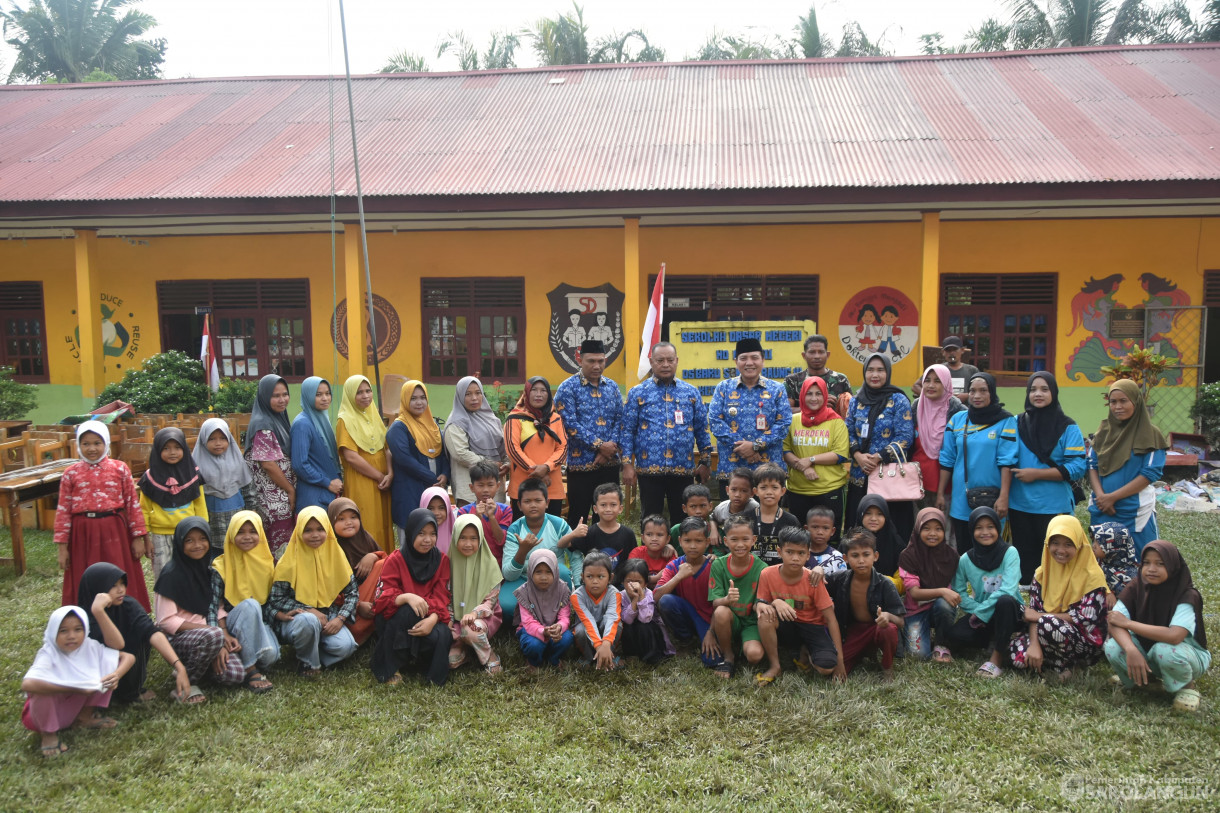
<point>207,354</point>
<point>652,325</point>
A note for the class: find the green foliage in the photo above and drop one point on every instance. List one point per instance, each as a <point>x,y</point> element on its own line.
<point>235,395</point>
<point>1143,366</point>
<point>1206,411</point>
<point>500,54</point>
<point>562,40</point>
<point>405,62</point>
<point>71,39</point>
<point>16,399</point>
<point>501,400</point>
<point>167,382</point>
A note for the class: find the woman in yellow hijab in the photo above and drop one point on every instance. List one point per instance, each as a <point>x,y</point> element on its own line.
<point>1067,605</point>
<point>314,594</point>
<point>367,474</point>
<point>417,453</point>
<point>240,588</point>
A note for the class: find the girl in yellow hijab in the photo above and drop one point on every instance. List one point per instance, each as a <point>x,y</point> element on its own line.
<point>240,589</point>
<point>417,453</point>
<point>360,436</point>
<point>1067,604</point>
<point>314,594</point>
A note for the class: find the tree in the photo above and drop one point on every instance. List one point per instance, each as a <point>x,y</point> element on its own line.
<point>500,54</point>
<point>405,62</point>
<point>1097,22</point>
<point>563,40</point>
<point>617,48</point>
<point>726,46</point>
<point>809,40</point>
<point>69,39</point>
<point>992,35</point>
<point>856,43</point>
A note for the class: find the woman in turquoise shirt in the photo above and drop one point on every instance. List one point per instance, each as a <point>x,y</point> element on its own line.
<point>1050,455</point>
<point>1127,457</point>
<point>978,451</point>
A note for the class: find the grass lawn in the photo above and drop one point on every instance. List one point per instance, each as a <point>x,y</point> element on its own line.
<point>671,738</point>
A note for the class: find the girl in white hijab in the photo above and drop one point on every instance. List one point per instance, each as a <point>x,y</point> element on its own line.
<point>71,678</point>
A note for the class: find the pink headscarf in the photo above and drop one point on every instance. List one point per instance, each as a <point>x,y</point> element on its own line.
<point>932,416</point>
<point>444,532</point>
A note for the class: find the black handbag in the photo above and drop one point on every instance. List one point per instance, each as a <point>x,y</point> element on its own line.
<point>982,495</point>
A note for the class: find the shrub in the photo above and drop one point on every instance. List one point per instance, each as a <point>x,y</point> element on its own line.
<point>1207,412</point>
<point>16,399</point>
<point>235,395</point>
<point>500,399</point>
<point>167,382</point>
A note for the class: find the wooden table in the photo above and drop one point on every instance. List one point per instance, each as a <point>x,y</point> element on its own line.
<point>23,485</point>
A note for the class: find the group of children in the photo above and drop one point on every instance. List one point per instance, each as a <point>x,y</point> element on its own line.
<point>751,578</point>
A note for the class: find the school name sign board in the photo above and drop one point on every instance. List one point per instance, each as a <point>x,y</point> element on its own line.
<point>705,349</point>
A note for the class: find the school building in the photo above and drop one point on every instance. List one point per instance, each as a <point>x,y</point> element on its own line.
<point>1054,208</point>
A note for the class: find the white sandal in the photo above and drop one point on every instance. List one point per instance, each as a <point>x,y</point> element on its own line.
<point>1187,700</point>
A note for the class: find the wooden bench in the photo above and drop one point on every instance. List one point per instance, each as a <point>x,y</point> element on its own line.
<point>16,487</point>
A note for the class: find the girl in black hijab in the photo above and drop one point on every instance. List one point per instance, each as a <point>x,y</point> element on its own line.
<point>1050,455</point>
<point>140,635</point>
<point>170,491</point>
<point>992,607</point>
<point>879,420</point>
<point>412,605</point>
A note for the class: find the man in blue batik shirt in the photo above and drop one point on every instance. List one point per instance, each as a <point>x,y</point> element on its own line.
<point>591,407</point>
<point>664,434</point>
<point>749,415</point>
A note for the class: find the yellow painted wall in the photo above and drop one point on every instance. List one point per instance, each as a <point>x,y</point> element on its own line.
<point>847,258</point>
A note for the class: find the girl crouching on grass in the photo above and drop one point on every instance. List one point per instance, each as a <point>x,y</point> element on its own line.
<point>72,676</point>
<point>413,605</point>
<point>241,585</point>
<point>475,609</point>
<point>1156,628</point>
<point>543,610</point>
<point>642,635</point>
<point>314,594</point>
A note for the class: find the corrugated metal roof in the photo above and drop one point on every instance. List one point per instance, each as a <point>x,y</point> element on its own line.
<point>1050,117</point>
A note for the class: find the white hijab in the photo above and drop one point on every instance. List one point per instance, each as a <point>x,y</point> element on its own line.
<point>97,428</point>
<point>82,669</point>
<point>225,475</point>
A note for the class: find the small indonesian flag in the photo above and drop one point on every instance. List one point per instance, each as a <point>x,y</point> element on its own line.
<point>652,325</point>
<point>207,354</point>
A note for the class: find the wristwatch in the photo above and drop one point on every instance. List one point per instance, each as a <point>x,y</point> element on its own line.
<point>759,445</point>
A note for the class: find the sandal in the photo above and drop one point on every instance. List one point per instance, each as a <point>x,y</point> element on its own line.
<point>258,677</point>
<point>764,680</point>
<point>146,696</point>
<point>725,669</point>
<point>459,663</point>
<point>97,721</point>
<point>493,668</point>
<point>52,751</point>
<point>989,670</point>
<point>193,698</point>
<point>941,654</point>
<point>1187,700</point>
<point>395,679</point>
<point>307,671</point>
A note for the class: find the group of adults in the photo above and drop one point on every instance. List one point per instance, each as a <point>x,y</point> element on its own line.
<point>968,449</point>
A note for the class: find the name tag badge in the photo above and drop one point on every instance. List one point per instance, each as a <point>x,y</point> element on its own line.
<point>864,430</point>
<point>959,384</point>
<point>678,418</point>
<point>761,423</point>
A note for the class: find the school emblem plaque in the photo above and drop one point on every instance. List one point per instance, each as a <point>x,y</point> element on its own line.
<point>578,314</point>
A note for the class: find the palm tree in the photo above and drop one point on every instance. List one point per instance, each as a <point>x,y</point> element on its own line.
<point>69,39</point>
<point>563,40</point>
<point>809,39</point>
<point>727,46</point>
<point>405,62</point>
<point>1076,22</point>
<point>500,54</point>
<point>617,48</point>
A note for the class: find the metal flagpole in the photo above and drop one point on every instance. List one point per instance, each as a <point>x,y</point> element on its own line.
<point>364,235</point>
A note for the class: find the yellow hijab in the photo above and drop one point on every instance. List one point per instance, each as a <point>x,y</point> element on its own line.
<point>317,575</point>
<point>364,425</point>
<point>1064,585</point>
<point>471,577</point>
<point>247,574</point>
<point>423,429</point>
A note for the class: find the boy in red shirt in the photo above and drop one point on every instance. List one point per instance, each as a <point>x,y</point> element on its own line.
<point>681,591</point>
<point>793,606</point>
<point>655,551</point>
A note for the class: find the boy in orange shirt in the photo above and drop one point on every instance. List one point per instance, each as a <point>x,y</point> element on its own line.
<point>795,607</point>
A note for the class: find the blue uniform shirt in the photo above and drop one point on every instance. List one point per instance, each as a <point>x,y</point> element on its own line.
<point>591,414</point>
<point>1048,496</point>
<point>733,415</point>
<point>988,450</point>
<point>663,424</point>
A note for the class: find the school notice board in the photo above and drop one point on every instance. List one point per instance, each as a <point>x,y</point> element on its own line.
<point>705,349</point>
